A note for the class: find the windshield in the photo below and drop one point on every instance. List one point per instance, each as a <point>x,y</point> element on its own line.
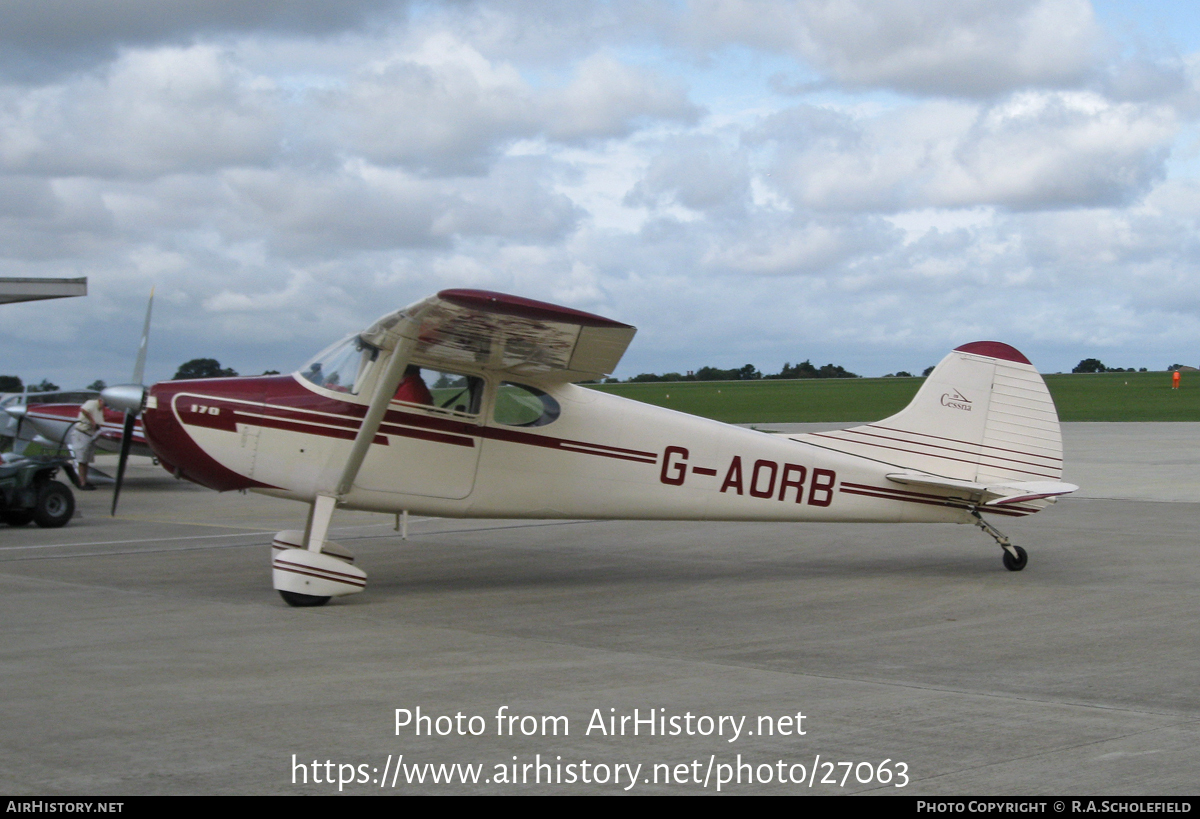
<point>342,367</point>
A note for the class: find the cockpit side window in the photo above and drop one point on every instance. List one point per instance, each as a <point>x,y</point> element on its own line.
<point>343,367</point>
<point>440,389</point>
<point>518,405</point>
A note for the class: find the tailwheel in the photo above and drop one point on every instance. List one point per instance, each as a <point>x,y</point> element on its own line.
<point>1015,564</point>
<point>304,601</point>
<point>1014,556</point>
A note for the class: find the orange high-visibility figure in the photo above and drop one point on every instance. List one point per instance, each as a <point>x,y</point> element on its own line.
<point>1175,380</point>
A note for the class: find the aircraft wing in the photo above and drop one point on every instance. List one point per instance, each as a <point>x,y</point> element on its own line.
<point>507,334</point>
<point>999,494</point>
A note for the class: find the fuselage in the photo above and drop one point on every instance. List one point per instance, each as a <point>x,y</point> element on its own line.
<point>594,456</point>
<point>54,421</point>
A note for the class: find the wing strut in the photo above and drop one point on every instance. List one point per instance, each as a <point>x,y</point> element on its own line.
<point>385,388</point>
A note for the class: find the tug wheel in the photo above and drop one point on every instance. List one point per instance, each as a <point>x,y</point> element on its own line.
<point>55,505</point>
<point>1015,564</point>
<point>302,601</point>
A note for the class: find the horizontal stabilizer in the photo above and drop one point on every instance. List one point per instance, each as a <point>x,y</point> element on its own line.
<point>995,494</point>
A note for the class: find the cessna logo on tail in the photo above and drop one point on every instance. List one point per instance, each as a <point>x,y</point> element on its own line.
<point>956,400</point>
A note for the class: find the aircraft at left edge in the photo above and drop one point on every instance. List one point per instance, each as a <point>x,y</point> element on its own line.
<point>51,422</point>
<point>30,415</point>
<point>498,428</point>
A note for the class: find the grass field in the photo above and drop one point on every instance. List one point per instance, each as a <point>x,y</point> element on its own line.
<point>1082,397</point>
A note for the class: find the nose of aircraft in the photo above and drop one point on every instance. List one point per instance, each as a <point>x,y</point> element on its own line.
<point>174,445</point>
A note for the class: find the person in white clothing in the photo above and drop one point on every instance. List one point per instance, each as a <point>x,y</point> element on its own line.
<point>82,438</point>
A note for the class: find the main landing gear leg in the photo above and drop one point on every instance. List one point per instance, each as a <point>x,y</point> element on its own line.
<point>306,569</point>
<point>1014,556</point>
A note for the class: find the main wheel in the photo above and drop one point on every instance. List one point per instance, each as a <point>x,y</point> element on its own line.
<point>55,505</point>
<point>1015,564</point>
<point>19,517</point>
<point>302,601</point>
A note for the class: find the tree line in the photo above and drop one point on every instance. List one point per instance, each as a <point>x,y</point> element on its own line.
<point>196,368</point>
<point>1095,365</point>
<point>805,369</point>
<point>211,368</point>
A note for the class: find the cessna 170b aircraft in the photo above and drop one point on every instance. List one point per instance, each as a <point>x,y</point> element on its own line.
<point>505,432</point>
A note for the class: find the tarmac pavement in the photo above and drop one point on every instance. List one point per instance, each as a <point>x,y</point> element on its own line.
<point>147,653</point>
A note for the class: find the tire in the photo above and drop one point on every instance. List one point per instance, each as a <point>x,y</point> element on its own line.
<point>302,601</point>
<point>55,505</point>
<point>18,518</point>
<point>1017,563</point>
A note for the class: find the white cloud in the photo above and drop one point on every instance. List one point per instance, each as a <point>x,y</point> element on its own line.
<point>56,37</point>
<point>607,98</point>
<point>443,108</point>
<point>798,247</point>
<point>1032,150</point>
<point>699,173</point>
<point>1039,150</point>
<point>358,207</point>
<point>956,47</point>
<point>150,112</point>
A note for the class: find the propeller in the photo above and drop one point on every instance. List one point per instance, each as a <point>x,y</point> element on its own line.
<point>130,398</point>
<point>17,413</point>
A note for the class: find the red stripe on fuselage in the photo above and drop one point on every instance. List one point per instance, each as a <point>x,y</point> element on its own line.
<point>931,455</point>
<point>287,404</point>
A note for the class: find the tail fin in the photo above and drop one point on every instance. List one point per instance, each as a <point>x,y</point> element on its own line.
<point>983,416</point>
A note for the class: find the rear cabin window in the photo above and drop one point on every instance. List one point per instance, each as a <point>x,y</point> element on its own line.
<point>518,405</point>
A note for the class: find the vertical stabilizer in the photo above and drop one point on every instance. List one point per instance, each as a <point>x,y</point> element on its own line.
<point>983,415</point>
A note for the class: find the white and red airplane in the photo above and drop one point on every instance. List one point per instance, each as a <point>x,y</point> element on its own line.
<point>50,423</point>
<point>505,432</point>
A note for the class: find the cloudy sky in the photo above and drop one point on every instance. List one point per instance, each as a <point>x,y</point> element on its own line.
<point>864,182</point>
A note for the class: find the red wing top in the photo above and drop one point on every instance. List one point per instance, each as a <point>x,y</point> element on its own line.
<point>506,334</point>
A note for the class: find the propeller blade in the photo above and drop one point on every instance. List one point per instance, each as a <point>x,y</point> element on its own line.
<point>130,398</point>
<point>140,367</point>
<point>126,442</point>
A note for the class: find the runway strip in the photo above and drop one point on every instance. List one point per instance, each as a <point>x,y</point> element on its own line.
<point>339,534</point>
